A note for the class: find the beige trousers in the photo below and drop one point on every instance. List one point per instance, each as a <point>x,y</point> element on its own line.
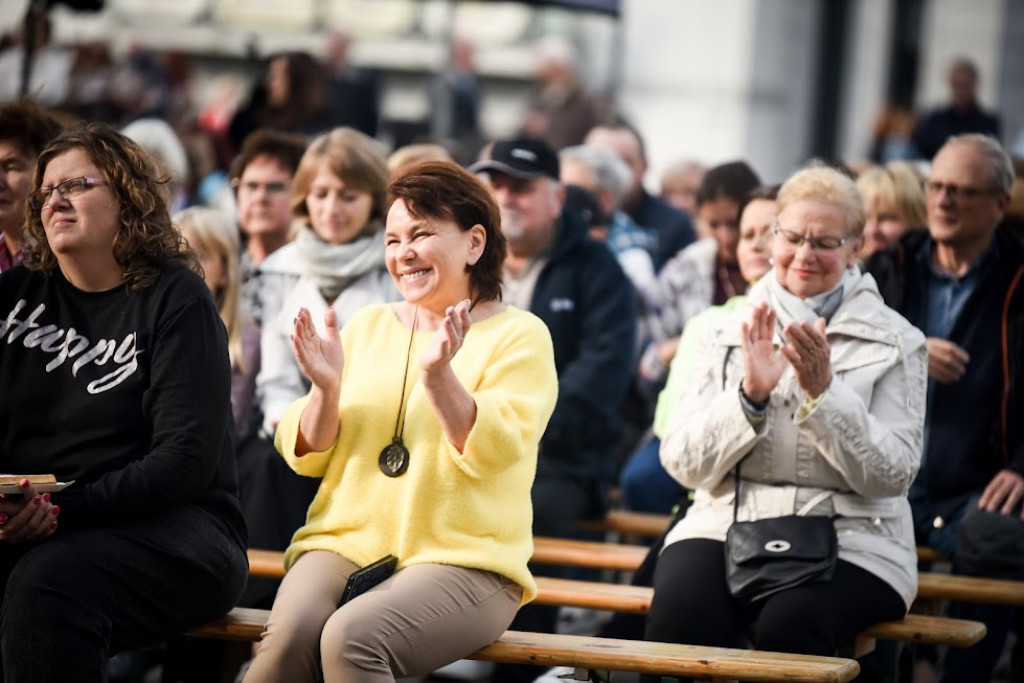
<point>423,617</point>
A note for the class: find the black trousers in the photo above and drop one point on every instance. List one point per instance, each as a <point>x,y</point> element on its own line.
<point>74,599</point>
<point>692,605</point>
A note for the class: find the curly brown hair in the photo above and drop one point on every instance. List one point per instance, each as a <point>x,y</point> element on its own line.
<point>146,241</point>
<point>443,190</point>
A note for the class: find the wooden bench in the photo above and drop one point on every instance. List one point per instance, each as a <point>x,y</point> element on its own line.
<point>637,600</point>
<point>605,654</point>
<point>597,555</point>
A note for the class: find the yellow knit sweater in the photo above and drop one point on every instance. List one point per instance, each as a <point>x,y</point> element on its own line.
<point>470,509</point>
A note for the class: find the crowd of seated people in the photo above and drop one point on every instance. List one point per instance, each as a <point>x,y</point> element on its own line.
<point>433,362</point>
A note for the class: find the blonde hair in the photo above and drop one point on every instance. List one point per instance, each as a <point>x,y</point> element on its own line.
<point>411,154</point>
<point>897,185</point>
<point>214,231</point>
<point>819,182</point>
<point>357,159</point>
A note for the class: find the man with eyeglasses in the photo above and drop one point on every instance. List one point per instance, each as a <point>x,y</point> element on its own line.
<point>962,283</point>
<point>262,179</point>
<point>25,129</point>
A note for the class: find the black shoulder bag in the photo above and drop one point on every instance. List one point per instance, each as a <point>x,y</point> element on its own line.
<point>766,556</point>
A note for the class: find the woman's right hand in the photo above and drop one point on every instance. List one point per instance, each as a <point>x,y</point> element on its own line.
<point>321,359</point>
<point>29,517</point>
<point>763,362</point>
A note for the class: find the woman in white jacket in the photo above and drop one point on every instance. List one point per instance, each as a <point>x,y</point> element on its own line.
<point>337,259</point>
<point>818,388</point>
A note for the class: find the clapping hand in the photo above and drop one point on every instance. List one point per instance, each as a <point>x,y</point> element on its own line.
<point>320,358</point>
<point>27,517</point>
<point>763,363</point>
<point>448,339</point>
<point>808,351</point>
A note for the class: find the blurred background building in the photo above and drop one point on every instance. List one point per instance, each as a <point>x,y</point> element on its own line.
<point>771,81</point>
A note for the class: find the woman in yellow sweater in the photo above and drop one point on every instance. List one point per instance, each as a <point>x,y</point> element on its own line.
<point>423,420</point>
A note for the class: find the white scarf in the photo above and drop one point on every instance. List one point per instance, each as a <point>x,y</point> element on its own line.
<point>790,308</point>
<point>333,267</point>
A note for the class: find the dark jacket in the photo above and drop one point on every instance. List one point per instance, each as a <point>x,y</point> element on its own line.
<point>992,316</point>
<point>669,225</point>
<point>587,302</point>
<point>935,128</point>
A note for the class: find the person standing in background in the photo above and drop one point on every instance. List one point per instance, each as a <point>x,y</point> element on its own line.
<point>963,114</point>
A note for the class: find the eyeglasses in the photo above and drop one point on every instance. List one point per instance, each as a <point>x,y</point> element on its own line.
<point>937,188</point>
<point>793,240</point>
<point>251,186</point>
<point>68,189</point>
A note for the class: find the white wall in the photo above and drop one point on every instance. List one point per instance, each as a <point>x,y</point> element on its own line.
<point>955,28</point>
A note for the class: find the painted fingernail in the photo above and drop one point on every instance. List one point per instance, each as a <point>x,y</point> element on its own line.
<point>3,519</point>
<point>25,483</point>
<point>46,497</point>
<point>54,525</point>
<point>55,510</point>
<point>37,500</point>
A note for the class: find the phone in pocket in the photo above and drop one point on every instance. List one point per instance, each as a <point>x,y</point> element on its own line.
<point>369,576</point>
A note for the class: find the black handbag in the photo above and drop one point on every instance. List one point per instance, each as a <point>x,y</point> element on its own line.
<point>766,556</point>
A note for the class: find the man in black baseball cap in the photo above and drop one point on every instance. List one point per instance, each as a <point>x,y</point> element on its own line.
<point>523,158</point>
<point>575,285</point>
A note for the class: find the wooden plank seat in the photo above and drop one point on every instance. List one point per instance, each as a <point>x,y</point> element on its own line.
<point>606,654</point>
<point>596,555</point>
<point>637,599</point>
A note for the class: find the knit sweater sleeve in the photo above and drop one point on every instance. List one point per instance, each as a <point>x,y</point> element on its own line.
<point>514,398</point>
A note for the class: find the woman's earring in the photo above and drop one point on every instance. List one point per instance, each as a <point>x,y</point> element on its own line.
<point>771,260</point>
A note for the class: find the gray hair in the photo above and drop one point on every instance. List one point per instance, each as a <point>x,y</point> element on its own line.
<point>995,155</point>
<point>610,172</point>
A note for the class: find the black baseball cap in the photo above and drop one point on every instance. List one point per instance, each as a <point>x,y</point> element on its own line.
<point>525,158</point>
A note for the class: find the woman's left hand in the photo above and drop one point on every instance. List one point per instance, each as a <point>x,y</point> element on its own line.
<point>448,339</point>
<point>807,350</point>
<point>30,517</point>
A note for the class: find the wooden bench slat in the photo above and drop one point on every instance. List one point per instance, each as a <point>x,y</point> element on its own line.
<point>608,654</point>
<point>637,600</point>
<point>920,628</point>
<point>597,555</point>
<point>970,589</point>
<point>629,523</point>
<point>590,554</point>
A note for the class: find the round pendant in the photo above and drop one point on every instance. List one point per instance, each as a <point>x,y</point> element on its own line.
<point>394,459</point>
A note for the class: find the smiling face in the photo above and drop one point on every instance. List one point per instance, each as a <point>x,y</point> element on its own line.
<point>338,213</point>
<point>15,184</point>
<point>81,228</point>
<point>802,269</point>
<point>429,258</point>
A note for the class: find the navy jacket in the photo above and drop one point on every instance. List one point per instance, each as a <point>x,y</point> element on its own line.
<point>955,467</point>
<point>587,302</point>
<point>671,226</point>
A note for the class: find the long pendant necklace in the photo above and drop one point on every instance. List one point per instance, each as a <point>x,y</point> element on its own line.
<point>394,459</point>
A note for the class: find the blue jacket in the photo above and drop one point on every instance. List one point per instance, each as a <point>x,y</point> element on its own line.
<point>588,304</point>
<point>956,466</point>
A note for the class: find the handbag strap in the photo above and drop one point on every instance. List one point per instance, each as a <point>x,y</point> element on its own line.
<point>802,512</point>
<point>813,502</point>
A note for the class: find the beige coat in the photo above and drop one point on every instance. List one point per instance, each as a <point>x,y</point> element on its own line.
<point>863,440</point>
